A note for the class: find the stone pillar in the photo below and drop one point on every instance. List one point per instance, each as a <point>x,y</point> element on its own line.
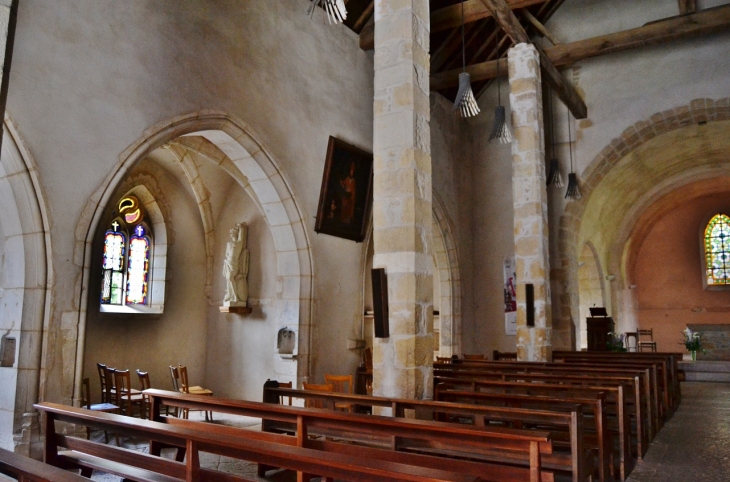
<point>402,214</point>
<point>530,203</point>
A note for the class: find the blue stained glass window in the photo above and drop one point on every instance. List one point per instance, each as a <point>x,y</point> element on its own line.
<point>717,250</point>
<point>138,267</point>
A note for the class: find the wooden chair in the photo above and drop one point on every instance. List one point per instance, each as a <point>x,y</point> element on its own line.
<point>632,346</point>
<point>97,407</point>
<point>144,384</point>
<point>318,388</point>
<point>475,357</point>
<point>341,384</point>
<point>195,390</point>
<point>101,368</point>
<point>644,345</point>
<point>127,397</point>
<point>368,356</point>
<point>110,387</point>
<point>284,385</point>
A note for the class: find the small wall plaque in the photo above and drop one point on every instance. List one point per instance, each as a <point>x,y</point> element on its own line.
<point>7,351</point>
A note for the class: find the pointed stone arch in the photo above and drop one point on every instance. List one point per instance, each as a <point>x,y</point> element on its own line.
<point>644,133</point>
<point>26,227</point>
<point>447,259</point>
<point>590,288</point>
<point>238,152</point>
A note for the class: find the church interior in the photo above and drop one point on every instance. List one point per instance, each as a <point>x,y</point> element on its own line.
<point>255,190</point>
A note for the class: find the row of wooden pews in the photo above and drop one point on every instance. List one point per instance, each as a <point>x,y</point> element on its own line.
<point>642,391</point>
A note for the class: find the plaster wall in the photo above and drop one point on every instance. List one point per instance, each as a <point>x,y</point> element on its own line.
<point>240,349</point>
<point>178,336</point>
<point>669,271</point>
<point>10,311</point>
<point>89,78</point>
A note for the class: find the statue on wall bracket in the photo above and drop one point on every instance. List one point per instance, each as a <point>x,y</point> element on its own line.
<point>235,267</point>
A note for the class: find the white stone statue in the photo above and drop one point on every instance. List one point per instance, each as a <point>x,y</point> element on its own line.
<point>235,267</point>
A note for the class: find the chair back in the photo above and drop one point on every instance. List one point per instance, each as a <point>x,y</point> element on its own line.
<point>85,395</point>
<point>124,393</point>
<point>144,379</point>
<point>368,355</point>
<point>101,368</point>
<point>318,388</point>
<point>110,386</point>
<point>184,385</point>
<point>474,357</point>
<point>175,375</point>
<point>649,333</point>
<point>340,383</point>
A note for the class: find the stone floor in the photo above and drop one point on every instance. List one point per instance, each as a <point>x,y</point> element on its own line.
<point>694,446</point>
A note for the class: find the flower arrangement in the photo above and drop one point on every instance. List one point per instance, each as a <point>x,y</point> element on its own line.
<point>615,342</point>
<point>692,340</point>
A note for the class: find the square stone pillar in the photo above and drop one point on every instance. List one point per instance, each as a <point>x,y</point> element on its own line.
<point>402,214</point>
<point>530,203</point>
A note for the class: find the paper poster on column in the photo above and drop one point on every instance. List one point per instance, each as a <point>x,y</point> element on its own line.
<point>510,296</point>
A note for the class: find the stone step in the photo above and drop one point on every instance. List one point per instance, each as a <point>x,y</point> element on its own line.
<point>706,371</point>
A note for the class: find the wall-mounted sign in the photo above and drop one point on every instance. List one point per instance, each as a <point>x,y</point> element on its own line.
<point>510,296</point>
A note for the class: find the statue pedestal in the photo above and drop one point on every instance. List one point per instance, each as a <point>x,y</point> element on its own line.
<point>238,308</point>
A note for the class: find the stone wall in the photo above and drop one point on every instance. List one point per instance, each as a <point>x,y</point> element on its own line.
<point>715,341</point>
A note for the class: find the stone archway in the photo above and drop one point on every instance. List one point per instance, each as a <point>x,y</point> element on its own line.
<point>590,288</point>
<point>25,298</point>
<point>250,164</point>
<point>447,260</point>
<point>643,138</point>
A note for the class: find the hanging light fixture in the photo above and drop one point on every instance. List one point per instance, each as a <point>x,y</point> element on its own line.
<point>500,131</point>
<point>336,11</point>
<point>553,178</point>
<point>465,101</point>
<point>572,192</point>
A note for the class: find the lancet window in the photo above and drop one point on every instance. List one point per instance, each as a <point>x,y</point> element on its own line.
<point>127,254</point>
<point>717,250</point>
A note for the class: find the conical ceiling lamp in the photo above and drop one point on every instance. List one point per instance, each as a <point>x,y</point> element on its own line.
<point>500,131</point>
<point>572,192</point>
<point>553,178</point>
<point>335,9</point>
<point>465,101</point>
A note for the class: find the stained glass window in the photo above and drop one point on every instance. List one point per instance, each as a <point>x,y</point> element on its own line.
<point>717,250</point>
<point>112,276</point>
<point>138,267</point>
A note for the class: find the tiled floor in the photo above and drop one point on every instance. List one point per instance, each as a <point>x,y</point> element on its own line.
<point>694,446</point>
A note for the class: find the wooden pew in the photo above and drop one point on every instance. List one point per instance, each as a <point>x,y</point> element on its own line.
<point>25,469</point>
<point>635,402</point>
<point>238,443</point>
<point>436,445</point>
<point>615,402</point>
<point>566,419</point>
<point>645,388</point>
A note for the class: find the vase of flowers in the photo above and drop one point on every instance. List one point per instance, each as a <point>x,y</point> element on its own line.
<point>692,342</point>
<point>615,342</point>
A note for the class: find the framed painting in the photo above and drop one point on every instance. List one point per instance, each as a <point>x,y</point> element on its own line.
<point>345,199</point>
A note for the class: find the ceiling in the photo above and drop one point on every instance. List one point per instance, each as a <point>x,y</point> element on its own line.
<point>484,40</point>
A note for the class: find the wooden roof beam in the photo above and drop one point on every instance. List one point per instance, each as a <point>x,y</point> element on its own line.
<point>447,17</point>
<point>506,18</point>
<point>704,22</point>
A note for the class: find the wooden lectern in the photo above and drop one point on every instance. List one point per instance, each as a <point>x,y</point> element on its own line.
<point>599,326</point>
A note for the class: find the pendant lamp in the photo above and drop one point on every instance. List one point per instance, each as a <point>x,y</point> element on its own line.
<point>500,131</point>
<point>572,192</point>
<point>553,178</point>
<point>335,9</point>
<point>465,101</point>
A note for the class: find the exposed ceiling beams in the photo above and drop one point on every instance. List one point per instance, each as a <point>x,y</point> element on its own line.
<point>514,29</point>
<point>707,21</point>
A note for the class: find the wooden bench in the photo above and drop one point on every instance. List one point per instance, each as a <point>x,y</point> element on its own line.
<point>25,469</point>
<point>444,446</point>
<point>231,442</point>
<point>643,379</point>
<point>636,399</point>
<point>595,426</point>
<point>567,420</point>
<point>618,419</point>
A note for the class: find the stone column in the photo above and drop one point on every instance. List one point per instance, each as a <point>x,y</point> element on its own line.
<point>530,203</point>
<point>402,214</point>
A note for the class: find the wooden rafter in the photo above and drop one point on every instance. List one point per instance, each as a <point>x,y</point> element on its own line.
<point>540,27</point>
<point>447,17</point>
<point>705,22</point>
<point>364,17</point>
<point>513,28</point>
